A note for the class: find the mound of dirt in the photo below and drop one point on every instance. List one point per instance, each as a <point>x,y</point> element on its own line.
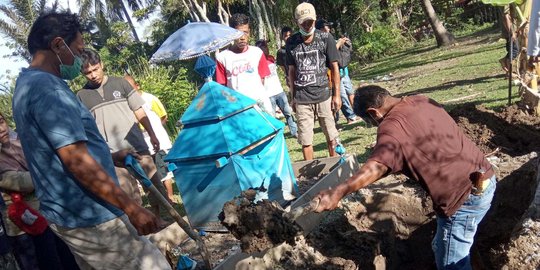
<point>512,130</point>
<point>501,239</point>
<point>259,225</point>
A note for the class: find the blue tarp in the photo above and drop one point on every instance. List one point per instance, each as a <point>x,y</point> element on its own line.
<point>214,102</point>
<point>228,145</point>
<point>220,122</point>
<point>205,187</point>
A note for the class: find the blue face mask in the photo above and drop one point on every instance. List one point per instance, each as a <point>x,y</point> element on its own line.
<point>70,72</point>
<point>306,34</point>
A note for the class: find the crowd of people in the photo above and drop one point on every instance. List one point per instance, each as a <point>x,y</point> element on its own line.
<point>66,158</point>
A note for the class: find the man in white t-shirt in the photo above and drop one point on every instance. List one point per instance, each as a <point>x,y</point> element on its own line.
<point>274,89</point>
<point>243,67</point>
<point>158,117</point>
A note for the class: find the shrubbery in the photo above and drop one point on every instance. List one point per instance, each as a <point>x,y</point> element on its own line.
<point>383,40</point>
<point>171,85</point>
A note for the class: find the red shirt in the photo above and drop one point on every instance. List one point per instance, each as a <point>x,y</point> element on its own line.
<point>419,139</point>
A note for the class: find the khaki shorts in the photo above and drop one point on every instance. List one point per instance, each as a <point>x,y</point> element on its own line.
<point>306,114</point>
<point>112,245</point>
<point>128,183</point>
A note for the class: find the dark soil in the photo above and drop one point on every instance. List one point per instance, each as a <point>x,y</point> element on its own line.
<point>258,225</point>
<point>305,183</point>
<point>513,131</point>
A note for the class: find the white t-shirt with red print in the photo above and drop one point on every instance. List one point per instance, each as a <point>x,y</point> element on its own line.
<point>244,73</point>
<point>271,82</point>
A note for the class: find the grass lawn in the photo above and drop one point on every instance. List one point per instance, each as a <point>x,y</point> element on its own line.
<point>464,73</point>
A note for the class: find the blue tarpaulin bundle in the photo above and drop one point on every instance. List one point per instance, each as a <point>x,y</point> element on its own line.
<point>228,145</point>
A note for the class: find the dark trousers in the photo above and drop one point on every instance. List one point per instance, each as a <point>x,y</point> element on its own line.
<point>42,252</point>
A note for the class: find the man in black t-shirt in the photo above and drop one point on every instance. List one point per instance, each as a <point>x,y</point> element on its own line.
<point>309,54</point>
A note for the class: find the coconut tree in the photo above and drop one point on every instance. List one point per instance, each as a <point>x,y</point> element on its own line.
<point>443,36</point>
<point>103,12</point>
<point>18,18</point>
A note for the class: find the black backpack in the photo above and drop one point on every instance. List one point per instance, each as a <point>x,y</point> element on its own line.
<point>344,55</point>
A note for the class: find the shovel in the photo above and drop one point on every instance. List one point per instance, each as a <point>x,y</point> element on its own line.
<point>136,170</point>
<point>302,210</point>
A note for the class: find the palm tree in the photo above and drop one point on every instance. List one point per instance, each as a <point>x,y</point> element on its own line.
<point>443,36</point>
<point>20,14</point>
<point>103,12</point>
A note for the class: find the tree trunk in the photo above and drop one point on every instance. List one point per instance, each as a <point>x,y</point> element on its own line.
<point>443,37</point>
<point>128,18</point>
<point>267,23</point>
<point>192,14</point>
<point>201,9</point>
<point>223,14</point>
<point>274,24</point>
<point>255,11</point>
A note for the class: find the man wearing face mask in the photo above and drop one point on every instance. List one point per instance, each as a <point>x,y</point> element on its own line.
<point>69,161</point>
<point>416,137</point>
<point>309,54</point>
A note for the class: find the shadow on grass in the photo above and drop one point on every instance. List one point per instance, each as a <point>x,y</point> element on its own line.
<point>450,84</point>
<point>399,61</point>
<point>399,64</point>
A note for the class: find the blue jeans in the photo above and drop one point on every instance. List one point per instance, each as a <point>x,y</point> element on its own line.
<point>280,100</point>
<point>455,234</point>
<point>346,89</point>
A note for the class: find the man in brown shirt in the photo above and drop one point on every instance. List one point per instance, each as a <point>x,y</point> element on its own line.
<point>416,137</point>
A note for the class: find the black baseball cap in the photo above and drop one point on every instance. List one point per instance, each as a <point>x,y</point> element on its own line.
<point>321,23</point>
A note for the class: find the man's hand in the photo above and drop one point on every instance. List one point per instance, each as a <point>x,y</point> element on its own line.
<point>143,220</point>
<point>119,157</point>
<point>342,41</point>
<point>336,103</point>
<point>293,106</point>
<point>329,199</point>
<point>155,142</point>
<point>370,172</point>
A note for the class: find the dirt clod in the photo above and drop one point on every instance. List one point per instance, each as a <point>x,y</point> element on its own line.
<point>258,225</point>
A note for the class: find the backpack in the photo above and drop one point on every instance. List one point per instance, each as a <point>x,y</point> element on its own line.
<point>344,55</point>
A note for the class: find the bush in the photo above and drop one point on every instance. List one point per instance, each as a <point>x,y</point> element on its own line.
<point>383,40</point>
<point>170,85</point>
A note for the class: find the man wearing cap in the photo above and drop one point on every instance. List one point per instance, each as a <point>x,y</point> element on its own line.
<point>309,54</point>
<point>346,88</point>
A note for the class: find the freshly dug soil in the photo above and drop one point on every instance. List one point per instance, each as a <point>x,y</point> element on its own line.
<point>513,131</point>
<point>501,240</point>
<point>305,183</point>
<point>258,225</point>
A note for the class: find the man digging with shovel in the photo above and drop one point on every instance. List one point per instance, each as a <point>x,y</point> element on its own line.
<point>416,137</point>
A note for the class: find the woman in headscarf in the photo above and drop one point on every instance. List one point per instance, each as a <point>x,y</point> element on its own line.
<point>42,251</point>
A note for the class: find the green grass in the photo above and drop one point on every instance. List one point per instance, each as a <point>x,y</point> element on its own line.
<point>468,72</point>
